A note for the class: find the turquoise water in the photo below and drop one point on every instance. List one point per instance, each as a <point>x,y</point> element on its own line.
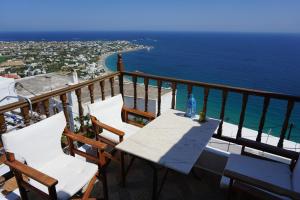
<point>260,61</point>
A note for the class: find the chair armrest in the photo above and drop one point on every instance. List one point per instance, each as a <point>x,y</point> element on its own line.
<point>147,115</point>
<point>85,140</point>
<point>107,127</point>
<point>32,173</point>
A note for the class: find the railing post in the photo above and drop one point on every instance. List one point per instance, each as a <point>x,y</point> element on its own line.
<point>263,118</point>
<point>134,80</point>
<point>25,114</point>
<point>288,113</point>
<point>63,99</point>
<point>189,89</point>
<point>205,98</point>
<point>242,115</point>
<point>120,68</point>
<point>222,113</point>
<point>91,89</point>
<point>174,85</point>
<point>146,83</point>
<point>112,86</point>
<point>3,127</point>
<point>102,85</point>
<point>46,107</point>
<point>159,83</point>
<point>80,109</point>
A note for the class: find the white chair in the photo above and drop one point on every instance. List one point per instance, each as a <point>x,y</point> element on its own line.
<point>267,178</point>
<point>35,151</point>
<point>110,128</point>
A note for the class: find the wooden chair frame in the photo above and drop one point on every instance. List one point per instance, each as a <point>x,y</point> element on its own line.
<point>19,169</point>
<point>99,126</point>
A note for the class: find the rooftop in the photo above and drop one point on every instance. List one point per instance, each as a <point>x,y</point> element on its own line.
<point>44,83</point>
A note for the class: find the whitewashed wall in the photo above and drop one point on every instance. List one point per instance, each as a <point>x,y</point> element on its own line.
<point>7,86</point>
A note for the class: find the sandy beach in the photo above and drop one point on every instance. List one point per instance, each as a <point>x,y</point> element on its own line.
<point>102,58</point>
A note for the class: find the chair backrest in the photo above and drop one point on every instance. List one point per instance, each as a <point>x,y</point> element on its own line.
<point>108,111</point>
<point>296,177</point>
<point>38,143</point>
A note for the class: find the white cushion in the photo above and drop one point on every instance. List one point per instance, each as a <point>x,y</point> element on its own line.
<point>37,143</point>
<point>108,111</point>
<point>72,175</point>
<point>296,177</point>
<point>270,172</point>
<point>40,146</point>
<point>128,129</point>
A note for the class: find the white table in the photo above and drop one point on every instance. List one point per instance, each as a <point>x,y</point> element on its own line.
<point>171,140</point>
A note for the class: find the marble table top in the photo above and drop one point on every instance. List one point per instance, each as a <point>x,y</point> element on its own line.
<point>171,140</point>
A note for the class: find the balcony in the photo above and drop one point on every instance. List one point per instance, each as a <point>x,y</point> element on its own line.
<point>139,89</point>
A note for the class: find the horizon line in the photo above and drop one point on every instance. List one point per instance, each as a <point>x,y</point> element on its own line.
<point>144,31</point>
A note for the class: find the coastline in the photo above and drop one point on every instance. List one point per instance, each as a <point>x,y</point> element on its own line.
<point>103,58</point>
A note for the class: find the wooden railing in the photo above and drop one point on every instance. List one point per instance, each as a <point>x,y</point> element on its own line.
<point>225,91</point>
<point>44,99</point>
<point>190,85</point>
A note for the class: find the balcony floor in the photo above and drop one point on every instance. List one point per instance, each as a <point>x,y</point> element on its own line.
<point>177,186</point>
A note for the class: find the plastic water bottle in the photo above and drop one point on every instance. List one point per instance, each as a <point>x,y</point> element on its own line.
<point>191,107</point>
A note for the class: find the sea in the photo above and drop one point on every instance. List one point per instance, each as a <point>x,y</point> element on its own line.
<point>263,61</point>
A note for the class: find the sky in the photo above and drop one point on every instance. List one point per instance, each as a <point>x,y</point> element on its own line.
<point>151,15</point>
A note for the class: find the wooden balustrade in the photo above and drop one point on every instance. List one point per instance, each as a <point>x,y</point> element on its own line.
<point>225,91</point>
<point>56,95</point>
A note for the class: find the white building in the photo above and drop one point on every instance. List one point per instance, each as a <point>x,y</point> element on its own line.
<point>7,88</point>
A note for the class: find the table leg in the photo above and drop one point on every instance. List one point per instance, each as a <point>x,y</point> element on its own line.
<point>163,181</point>
<point>230,189</point>
<point>154,181</point>
<point>155,190</point>
<point>122,169</point>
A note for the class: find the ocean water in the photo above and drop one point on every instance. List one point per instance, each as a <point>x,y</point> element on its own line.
<point>261,61</point>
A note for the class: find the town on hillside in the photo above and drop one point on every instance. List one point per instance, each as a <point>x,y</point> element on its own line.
<point>29,58</point>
